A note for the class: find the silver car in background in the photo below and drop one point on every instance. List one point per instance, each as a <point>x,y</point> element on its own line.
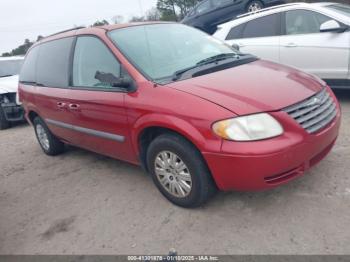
<point>10,108</point>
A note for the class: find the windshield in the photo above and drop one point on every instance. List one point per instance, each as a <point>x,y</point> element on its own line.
<point>342,9</point>
<point>10,67</point>
<point>160,50</point>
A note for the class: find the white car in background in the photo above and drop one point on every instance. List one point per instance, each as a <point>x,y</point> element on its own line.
<point>312,37</point>
<point>10,108</point>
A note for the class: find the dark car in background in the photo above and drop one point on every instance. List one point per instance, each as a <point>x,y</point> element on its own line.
<point>207,14</point>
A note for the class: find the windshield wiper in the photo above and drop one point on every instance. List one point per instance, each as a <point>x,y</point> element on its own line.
<point>205,61</point>
<point>217,58</point>
<point>6,75</point>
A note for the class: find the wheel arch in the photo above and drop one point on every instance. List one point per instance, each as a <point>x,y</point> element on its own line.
<point>151,126</point>
<point>32,115</point>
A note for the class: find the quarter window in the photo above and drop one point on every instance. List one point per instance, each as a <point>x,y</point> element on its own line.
<point>235,32</point>
<point>304,22</point>
<point>92,59</point>
<point>263,27</point>
<point>53,63</point>
<point>28,68</point>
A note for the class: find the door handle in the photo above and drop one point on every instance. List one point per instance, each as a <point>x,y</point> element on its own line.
<point>241,45</point>
<point>291,45</point>
<point>61,105</point>
<point>75,107</point>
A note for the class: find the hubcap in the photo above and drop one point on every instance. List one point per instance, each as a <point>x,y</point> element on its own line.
<point>42,137</point>
<point>254,7</point>
<point>173,174</point>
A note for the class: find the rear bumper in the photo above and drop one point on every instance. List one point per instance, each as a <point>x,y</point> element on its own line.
<point>13,112</point>
<point>253,166</point>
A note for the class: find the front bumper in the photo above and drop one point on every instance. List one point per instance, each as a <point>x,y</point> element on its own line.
<point>259,165</point>
<point>13,112</point>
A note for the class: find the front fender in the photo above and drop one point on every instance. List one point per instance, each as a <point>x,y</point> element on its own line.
<point>179,125</point>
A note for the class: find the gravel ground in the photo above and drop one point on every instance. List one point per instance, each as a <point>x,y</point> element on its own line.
<point>83,203</point>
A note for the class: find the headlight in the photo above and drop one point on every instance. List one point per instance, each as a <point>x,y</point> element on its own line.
<point>248,128</point>
<point>5,100</point>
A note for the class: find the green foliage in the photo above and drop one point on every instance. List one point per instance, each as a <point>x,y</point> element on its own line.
<point>21,50</point>
<point>175,10</point>
<point>100,23</point>
<point>151,15</point>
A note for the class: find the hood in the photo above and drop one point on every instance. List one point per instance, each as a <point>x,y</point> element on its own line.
<point>259,86</point>
<point>8,84</point>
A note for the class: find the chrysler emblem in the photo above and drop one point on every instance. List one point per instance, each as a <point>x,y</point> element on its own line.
<point>314,102</point>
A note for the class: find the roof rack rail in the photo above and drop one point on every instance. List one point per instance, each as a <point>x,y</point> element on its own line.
<point>64,31</point>
<point>267,9</point>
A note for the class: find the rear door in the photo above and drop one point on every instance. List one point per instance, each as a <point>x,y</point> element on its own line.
<point>305,47</point>
<point>259,37</point>
<point>97,108</point>
<point>52,82</point>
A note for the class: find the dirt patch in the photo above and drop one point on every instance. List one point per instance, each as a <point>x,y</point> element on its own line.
<point>59,226</point>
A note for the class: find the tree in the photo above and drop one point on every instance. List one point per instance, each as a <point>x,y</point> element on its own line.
<point>167,10</point>
<point>117,19</point>
<point>20,50</point>
<point>153,14</point>
<point>175,10</point>
<point>100,23</point>
<point>137,19</point>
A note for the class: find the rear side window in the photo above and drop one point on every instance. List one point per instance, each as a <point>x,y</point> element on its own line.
<point>235,32</point>
<point>91,58</point>
<point>263,27</point>
<point>53,63</point>
<point>27,74</point>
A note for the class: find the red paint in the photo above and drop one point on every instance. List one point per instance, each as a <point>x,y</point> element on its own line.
<point>190,107</point>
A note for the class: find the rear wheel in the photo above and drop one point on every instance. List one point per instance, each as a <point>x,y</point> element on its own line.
<point>254,6</point>
<point>48,142</point>
<point>179,171</point>
<point>4,124</point>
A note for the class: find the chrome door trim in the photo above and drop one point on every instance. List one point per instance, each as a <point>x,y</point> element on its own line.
<point>87,131</point>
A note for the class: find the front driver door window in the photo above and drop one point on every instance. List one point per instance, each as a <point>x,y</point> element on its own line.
<point>305,47</point>
<point>92,61</point>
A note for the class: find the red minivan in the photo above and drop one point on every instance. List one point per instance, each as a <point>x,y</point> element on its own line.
<point>196,114</point>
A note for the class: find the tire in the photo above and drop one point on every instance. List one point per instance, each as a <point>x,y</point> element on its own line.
<point>4,124</point>
<point>194,172</point>
<point>47,141</point>
<point>254,6</point>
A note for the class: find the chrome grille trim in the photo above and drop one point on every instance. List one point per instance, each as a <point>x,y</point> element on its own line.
<point>314,113</point>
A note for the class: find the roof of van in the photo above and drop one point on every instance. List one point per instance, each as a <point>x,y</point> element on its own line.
<point>119,26</point>
<point>87,30</point>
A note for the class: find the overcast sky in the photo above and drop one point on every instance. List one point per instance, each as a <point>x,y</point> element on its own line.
<point>21,19</point>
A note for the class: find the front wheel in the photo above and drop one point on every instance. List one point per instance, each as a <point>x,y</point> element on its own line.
<point>254,6</point>
<point>179,171</point>
<point>50,144</point>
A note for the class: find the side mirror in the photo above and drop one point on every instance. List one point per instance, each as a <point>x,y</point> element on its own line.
<point>331,26</point>
<point>112,80</point>
<point>235,46</point>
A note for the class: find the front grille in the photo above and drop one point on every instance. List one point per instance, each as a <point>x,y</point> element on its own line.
<point>314,113</point>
